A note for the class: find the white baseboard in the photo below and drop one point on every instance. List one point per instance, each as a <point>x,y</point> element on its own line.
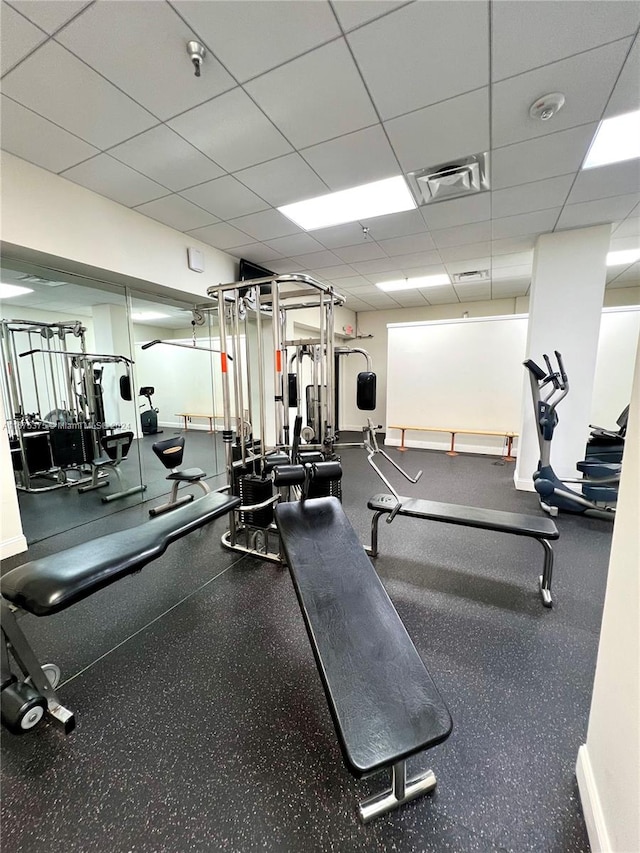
<point>592,810</point>
<point>179,425</point>
<point>10,547</point>
<point>524,484</point>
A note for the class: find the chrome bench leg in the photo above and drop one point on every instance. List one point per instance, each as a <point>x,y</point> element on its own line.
<point>29,664</point>
<point>547,572</point>
<point>402,791</point>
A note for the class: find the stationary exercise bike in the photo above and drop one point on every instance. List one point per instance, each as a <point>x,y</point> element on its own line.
<point>149,418</point>
<point>600,479</point>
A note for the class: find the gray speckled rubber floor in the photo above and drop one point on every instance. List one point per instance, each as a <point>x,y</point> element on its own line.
<point>202,724</point>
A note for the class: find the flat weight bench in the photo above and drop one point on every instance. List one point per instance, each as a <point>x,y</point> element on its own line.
<point>51,584</point>
<point>384,704</point>
<point>535,527</point>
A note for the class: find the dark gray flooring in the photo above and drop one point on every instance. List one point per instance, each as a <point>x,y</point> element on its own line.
<point>202,724</point>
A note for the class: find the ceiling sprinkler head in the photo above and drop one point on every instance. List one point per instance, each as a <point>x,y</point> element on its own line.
<point>547,106</point>
<point>196,55</point>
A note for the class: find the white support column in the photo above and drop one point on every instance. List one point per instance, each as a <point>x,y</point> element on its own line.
<point>567,292</point>
<point>113,337</point>
<point>608,767</point>
<point>12,539</point>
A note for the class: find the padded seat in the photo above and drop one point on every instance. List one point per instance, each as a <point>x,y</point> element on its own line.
<point>189,474</point>
<point>53,583</point>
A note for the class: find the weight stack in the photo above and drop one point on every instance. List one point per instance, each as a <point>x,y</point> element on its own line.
<point>254,490</point>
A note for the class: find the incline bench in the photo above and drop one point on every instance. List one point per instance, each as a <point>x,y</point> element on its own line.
<point>51,584</point>
<point>536,527</point>
<point>384,704</point>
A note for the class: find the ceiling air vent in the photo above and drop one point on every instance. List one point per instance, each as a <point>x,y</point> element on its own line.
<point>463,177</point>
<point>470,275</point>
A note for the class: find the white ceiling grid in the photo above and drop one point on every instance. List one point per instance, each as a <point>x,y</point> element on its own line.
<point>297,99</point>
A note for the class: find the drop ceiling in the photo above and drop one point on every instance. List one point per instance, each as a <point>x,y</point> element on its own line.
<point>297,99</point>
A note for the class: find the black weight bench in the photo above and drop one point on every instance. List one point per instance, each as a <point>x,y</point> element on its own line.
<point>384,704</point>
<point>51,584</point>
<point>535,527</point>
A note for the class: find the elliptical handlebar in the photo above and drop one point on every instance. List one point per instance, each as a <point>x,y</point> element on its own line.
<point>563,375</point>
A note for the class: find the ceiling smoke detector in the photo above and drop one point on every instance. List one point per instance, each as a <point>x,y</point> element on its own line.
<point>546,106</point>
<point>470,275</point>
<point>466,176</point>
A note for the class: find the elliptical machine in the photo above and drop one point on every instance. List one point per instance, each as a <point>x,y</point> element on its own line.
<point>600,479</point>
<point>149,418</point>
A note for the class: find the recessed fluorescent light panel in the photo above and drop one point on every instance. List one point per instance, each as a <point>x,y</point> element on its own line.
<point>627,256</point>
<point>148,315</point>
<point>9,290</point>
<point>377,199</point>
<point>616,139</point>
<point>413,283</point>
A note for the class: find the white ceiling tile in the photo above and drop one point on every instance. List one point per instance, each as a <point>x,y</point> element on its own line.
<point>314,260</point>
<point>621,282</point>
<point>526,198</point>
<point>354,13</point>
<point>417,270</point>
<point>352,282</point>
<point>221,235</point>
<point>165,84</point>
<point>605,181</point>
<point>256,252</point>
<point>511,273</point>
<point>354,159</point>
<point>333,273</point>
<point>284,180</point>
<point>376,266</point>
<point>253,36</point>
<point>395,225</point>
<point>108,177</point>
<point>225,197</point>
<point>626,95</point>
<point>473,291</point>
<point>621,244</point>
<point>528,35</point>
<point>35,139</point>
<point>544,157</point>
<point>296,244</point>
<point>585,102</point>
<point>419,259</point>
<point>232,131</point>
<point>630,227</point>
<point>462,234</point>
<point>540,221</point>
<point>177,212</point>
<point>410,244</point>
<point>508,289</point>
<point>165,157</point>
<point>339,235</point>
<point>442,132</point>
<point>266,225</point>
<point>509,245</point>
<point>410,299</point>
<point>364,251</point>
<point>18,38</point>
<point>376,277</point>
<point>416,45</point>
<point>468,264</point>
<point>596,212</point>
<point>316,97</point>
<point>466,252</point>
<point>459,211</point>
<point>48,15</point>
<point>517,259</point>
<point>53,83</point>
<point>631,274</point>
<point>357,305</point>
<point>440,295</point>
<point>286,266</point>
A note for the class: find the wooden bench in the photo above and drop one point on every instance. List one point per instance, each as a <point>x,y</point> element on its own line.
<point>188,417</point>
<point>540,528</point>
<point>51,584</point>
<point>384,704</point>
<point>508,436</point>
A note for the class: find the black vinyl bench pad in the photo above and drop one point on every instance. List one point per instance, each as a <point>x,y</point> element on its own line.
<point>53,583</point>
<point>384,703</point>
<point>538,527</point>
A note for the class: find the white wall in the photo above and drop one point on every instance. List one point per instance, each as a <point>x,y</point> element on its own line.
<point>608,767</point>
<point>48,214</point>
<point>12,539</point>
<point>619,332</point>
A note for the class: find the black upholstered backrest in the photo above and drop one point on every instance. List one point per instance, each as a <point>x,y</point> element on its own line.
<point>170,451</point>
<point>117,445</point>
